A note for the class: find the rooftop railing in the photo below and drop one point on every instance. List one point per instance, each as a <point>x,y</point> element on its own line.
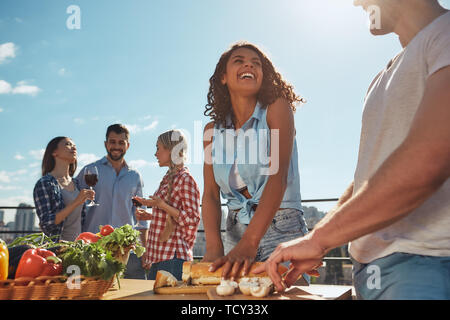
<point>335,269</point>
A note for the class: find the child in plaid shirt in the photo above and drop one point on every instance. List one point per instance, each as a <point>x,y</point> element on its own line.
<point>175,213</point>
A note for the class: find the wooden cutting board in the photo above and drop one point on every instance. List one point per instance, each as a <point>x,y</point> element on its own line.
<point>183,288</point>
<point>312,292</point>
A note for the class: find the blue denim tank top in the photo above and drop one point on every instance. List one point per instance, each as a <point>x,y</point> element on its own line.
<point>250,148</point>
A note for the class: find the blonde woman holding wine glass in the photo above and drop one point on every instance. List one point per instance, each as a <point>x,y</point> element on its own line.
<point>59,201</point>
<point>175,215</point>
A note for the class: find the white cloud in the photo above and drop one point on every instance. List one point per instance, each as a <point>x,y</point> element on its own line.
<point>133,128</point>
<point>7,177</point>
<point>1,110</point>
<point>136,128</point>
<point>62,72</point>
<point>21,88</point>
<point>5,87</point>
<point>151,126</point>
<point>138,164</point>
<point>24,88</point>
<point>34,164</point>
<point>4,177</point>
<point>19,157</point>
<point>37,154</point>
<point>7,50</point>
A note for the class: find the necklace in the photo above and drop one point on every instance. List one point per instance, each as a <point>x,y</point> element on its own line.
<point>64,181</point>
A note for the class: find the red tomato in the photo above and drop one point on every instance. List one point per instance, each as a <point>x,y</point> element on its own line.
<point>105,230</point>
<point>87,237</point>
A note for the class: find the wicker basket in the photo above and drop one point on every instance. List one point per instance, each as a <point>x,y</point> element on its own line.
<point>54,288</point>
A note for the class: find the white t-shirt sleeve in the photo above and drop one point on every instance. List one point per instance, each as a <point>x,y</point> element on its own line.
<point>437,50</point>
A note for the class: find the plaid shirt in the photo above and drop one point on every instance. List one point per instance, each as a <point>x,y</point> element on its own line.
<point>49,201</point>
<point>185,198</point>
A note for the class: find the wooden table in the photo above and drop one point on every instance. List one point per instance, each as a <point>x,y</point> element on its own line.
<point>143,290</point>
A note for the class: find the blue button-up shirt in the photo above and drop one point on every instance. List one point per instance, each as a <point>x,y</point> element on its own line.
<point>113,193</point>
<point>250,148</point>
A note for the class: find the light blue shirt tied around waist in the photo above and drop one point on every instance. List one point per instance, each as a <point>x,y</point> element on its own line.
<point>250,148</point>
<point>113,193</point>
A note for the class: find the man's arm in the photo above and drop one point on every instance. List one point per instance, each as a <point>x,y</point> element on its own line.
<point>406,179</point>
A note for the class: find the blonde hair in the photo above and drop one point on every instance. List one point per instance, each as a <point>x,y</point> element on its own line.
<point>176,143</point>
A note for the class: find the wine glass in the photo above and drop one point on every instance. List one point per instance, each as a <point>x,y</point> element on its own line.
<point>91,178</point>
<point>137,204</point>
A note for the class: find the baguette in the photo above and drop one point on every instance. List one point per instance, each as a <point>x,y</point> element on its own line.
<point>198,274</point>
<point>164,279</point>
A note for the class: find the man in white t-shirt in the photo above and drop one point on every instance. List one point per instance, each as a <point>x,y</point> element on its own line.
<point>396,213</point>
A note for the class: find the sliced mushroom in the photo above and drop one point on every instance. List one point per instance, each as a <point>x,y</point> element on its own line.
<point>226,288</point>
<point>246,283</point>
<point>263,289</point>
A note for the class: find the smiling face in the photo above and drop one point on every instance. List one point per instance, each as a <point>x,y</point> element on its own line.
<point>116,145</point>
<point>162,155</point>
<point>244,72</point>
<point>66,151</point>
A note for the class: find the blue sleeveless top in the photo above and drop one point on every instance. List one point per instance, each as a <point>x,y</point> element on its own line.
<point>250,147</point>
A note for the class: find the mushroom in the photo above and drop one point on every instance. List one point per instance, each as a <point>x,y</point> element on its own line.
<point>260,291</point>
<point>246,283</point>
<point>226,288</point>
<point>263,289</point>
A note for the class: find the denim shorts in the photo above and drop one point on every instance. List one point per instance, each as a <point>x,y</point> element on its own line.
<point>286,225</point>
<point>134,268</point>
<point>403,276</point>
<point>174,266</point>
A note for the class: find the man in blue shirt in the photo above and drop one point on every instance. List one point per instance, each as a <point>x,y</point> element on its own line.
<point>117,184</point>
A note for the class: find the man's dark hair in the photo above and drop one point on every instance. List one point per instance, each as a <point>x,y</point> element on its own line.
<point>117,128</point>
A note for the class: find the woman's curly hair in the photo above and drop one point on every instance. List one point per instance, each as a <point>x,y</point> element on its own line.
<point>273,86</point>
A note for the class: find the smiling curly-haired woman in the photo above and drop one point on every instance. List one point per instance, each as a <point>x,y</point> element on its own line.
<point>252,111</point>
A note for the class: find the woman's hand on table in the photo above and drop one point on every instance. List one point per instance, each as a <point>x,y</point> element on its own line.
<point>242,255</point>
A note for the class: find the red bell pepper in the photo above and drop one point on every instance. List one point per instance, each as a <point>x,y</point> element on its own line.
<point>87,237</point>
<point>105,230</point>
<point>39,262</point>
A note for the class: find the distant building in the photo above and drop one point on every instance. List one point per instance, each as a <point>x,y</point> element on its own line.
<point>24,220</point>
<point>312,216</point>
<point>2,216</point>
<point>7,237</point>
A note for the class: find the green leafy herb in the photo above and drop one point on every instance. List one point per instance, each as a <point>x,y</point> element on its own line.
<point>36,240</point>
<point>121,239</point>
<point>92,259</point>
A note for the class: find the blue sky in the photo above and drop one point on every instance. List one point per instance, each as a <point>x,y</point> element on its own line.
<point>147,64</point>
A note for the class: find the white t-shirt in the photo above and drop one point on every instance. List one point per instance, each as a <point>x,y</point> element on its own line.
<point>389,110</point>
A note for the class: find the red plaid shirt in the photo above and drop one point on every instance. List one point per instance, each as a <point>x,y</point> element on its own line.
<point>185,198</point>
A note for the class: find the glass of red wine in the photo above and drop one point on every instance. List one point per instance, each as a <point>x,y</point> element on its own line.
<point>137,204</point>
<point>91,178</point>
